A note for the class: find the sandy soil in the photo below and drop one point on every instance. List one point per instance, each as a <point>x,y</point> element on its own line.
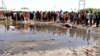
<point>79,51</point>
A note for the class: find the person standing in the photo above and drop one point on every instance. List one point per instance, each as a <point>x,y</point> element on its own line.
<point>97,19</point>
<point>75,18</point>
<point>71,17</point>
<point>61,16</point>
<point>31,15</point>
<point>65,16</point>
<point>57,13</point>
<point>12,17</point>
<point>79,18</point>
<point>22,17</point>
<point>18,16</point>
<point>44,16</point>
<point>15,16</point>
<point>87,18</point>
<point>91,18</point>
<point>34,15</point>
<point>55,16</point>
<point>94,18</point>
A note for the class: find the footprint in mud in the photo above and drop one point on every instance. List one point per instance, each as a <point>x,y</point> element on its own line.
<point>1,40</point>
<point>28,41</point>
<point>31,48</point>
<point>24,52</point>
<point>11,54</point>
<point>50,40</point>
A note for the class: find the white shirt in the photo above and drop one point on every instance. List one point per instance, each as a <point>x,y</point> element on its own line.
<point>88,16</point>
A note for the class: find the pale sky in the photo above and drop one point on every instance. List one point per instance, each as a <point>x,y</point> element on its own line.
<point>49,4</point>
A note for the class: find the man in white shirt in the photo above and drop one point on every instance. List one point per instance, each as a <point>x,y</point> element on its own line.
<point>87,18</point>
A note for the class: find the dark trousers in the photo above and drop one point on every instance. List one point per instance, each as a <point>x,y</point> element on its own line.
<point>61,19</point>
<point>54,18</point>
<point>71,19</point>
<point>91,22</point>
<point>74,21</point>
<point>86,22</point>
<point>94,21</point>
<point>97,22</point>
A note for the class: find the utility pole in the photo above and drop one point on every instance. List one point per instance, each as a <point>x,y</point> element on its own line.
<point>3,5</point>
<point>54,5</point>
<point>82,4</point>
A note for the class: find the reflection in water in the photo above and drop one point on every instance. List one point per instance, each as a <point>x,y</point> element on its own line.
<point>77,36</point>
<point>84,33</point>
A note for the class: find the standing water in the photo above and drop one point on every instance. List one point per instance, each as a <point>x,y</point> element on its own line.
<point>20,37</point>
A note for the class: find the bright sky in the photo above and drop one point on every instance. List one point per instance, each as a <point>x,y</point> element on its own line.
<point>49,4</point>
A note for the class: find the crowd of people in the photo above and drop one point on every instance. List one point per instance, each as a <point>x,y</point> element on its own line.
<point>82,17</point>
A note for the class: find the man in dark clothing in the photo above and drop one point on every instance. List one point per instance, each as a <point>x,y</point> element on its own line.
<point>44,16</point>
<point>18,16</point>
<point>71,16</point>
<point>7,14</point>
<point>91,17</point>
<point>22,17</point>
<point>97,19</point>
<point>38,15</point>
<point>31,16</point>
<point>49,16</point>
<point>12,17</point>
<point>55,16</point>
